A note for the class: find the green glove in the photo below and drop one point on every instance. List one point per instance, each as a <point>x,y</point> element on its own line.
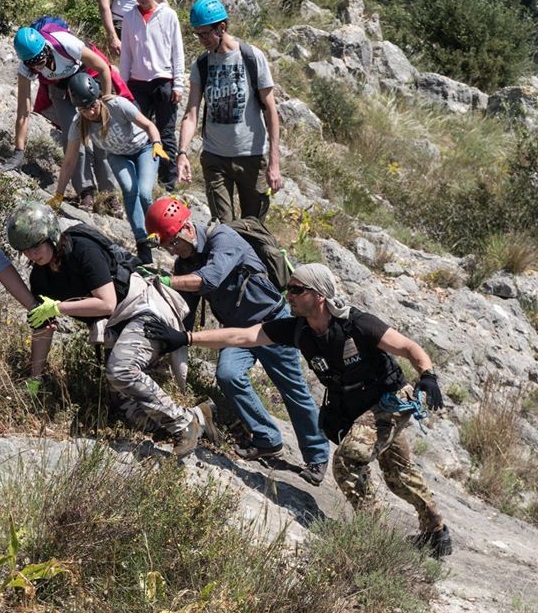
<point>33,386</point>
<point>40,314</point>
<point>165,280</point>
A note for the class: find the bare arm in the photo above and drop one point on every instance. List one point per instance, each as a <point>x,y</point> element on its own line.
<point>189,125</point>
<point>106,17</point>
<point>68,165</point>
<point>186,283</point>
<point>398,344</point>
<point>92,60</point>
<point>231,337</point>
<point>101,303</point>
<point>148,126</point>
<point>11,280</point>
<point>24,102</point>
<point>274,179</point>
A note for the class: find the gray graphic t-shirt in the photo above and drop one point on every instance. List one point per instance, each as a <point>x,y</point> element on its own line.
<point>124,137</point>
<point>234,123</point>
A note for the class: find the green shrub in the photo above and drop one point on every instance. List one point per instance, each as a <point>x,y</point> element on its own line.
<point>486,43</point>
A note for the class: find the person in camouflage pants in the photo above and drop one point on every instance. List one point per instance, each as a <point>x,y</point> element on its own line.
<point>352,354</point>
<point>379,435</point>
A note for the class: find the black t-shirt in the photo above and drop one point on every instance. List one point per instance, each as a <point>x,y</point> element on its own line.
<point>85,268</point>
<point>282,331</point>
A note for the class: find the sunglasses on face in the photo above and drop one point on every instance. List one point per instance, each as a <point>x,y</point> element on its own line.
<point>297,290</point>
<point>37,59</point>
<point>172,244</point>
<point>88,108</point>
<point>203,35</point>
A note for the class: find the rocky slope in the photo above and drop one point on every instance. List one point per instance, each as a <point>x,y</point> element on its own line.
<point>476,337</point>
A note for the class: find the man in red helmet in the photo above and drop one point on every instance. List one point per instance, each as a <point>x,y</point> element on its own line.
<point>224,269</point>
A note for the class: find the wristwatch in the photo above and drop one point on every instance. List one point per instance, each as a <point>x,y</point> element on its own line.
<point>182,152</point>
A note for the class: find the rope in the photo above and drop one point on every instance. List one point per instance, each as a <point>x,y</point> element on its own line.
<point>392,404</point>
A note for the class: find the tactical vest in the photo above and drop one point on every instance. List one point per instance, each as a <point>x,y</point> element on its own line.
<point>349,365</point>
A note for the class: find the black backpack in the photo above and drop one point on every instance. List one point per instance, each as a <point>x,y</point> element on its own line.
<point>273,256</point>
<point>249,60</point>
<point>123,262</point>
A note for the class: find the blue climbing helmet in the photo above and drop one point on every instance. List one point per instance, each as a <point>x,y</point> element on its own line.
<point>207,12</point>
<point>28,43</point>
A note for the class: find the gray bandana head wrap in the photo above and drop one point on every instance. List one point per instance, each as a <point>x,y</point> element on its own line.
<point>319,278</point>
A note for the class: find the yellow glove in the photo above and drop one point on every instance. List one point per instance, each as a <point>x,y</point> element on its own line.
<point>40,314</point>
<point>158,151</point>
<point>56,201</point>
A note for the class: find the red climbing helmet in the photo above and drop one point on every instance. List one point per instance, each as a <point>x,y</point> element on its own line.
<point>165,218</point>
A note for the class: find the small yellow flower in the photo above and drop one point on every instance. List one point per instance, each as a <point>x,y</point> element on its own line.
<point>393,167</point>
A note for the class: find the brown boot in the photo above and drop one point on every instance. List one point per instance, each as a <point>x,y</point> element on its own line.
<point>212,433</point>
<point>115,207</point>
<point>186,440</point>
<point>86,202</point>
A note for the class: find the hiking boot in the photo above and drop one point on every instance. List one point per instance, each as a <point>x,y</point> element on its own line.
<point>314,473</point>
<point>439,542</point>
<point>143,250</point>
<point>115,207</point>
<point>255,453</point>
<point>186,440</point>
<point>86,202</point>
<point>208,410</point>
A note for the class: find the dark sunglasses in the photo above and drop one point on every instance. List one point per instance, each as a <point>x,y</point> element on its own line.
<point>297,290</point>
<point>37,59</point>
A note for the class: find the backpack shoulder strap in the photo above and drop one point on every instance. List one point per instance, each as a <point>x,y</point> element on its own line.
<point>202,62</point>
<point>298,331</point>
<point>47,31</point>
<point>247,52</point>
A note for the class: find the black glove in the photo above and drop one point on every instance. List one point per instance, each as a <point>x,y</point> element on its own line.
<point>157,330</point>
<point>14,162</point>
<point>428,383</point>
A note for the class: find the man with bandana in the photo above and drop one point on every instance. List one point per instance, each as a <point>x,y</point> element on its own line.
<point>351,353</point>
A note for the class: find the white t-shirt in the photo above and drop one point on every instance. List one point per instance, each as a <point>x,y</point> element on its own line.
<point>63,67</point>
<point>124,137</point>
<point>118,8</point>
<point>234,122</point>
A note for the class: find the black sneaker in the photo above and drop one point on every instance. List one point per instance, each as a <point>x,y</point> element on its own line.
<point>255,453</point>
<point>439,542</point>
<point>314,473</point>
<point>143,251</point>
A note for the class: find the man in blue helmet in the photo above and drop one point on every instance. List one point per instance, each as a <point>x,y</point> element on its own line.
<point>235,80</point>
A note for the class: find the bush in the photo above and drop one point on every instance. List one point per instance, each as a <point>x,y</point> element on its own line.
<point>486,43</point>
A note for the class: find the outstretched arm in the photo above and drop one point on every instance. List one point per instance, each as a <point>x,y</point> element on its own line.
<point>231,337</point>
<point>11,280</point>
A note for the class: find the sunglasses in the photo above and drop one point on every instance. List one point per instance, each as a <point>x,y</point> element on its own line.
<point>90,107</point>
<point>203,35</point>
<point>37,59</point>
<point>297,290</point>
<point>172,244</point>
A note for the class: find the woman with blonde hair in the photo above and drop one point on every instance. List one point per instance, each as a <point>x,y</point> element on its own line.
<point>132,143</point>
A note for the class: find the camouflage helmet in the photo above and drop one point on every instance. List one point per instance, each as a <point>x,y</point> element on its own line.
<point>31,224</point>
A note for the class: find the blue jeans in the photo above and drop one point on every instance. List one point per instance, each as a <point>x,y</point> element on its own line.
<point>282,365</point>
<point>136,175</point>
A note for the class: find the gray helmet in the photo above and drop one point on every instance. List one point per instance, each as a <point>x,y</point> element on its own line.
<point>31,224</point>
<point>83,90</point>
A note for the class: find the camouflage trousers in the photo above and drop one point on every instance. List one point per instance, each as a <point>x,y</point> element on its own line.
<point>379,435</point>
<point>145,404</point>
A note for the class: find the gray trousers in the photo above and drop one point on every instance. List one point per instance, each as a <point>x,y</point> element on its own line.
<point>146,405</point>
